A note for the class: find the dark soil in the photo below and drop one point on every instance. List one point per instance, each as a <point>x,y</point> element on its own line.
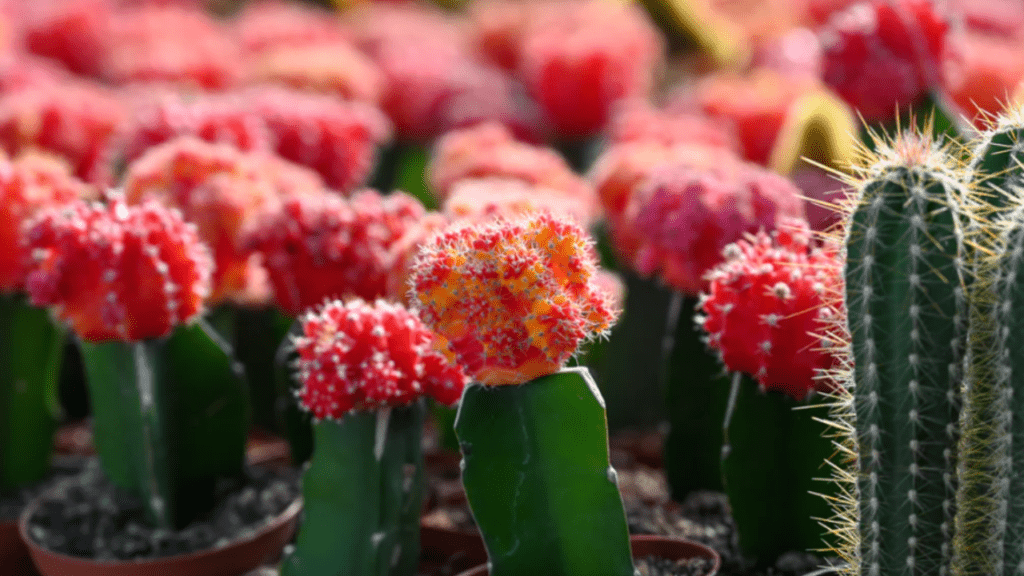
<point>92,518</point>
<point>12,503</point>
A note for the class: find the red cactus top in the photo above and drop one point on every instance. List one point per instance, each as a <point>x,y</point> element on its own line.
<point>337,69</point>
<point>511,300</point>
<point>27,185</point>
<point>684,217</point>
<point>880,54</point>
<point>360,356</point>
<point>118,272</point>
<point>769,305</point>
<point>322,246</point>
<point>221,190</point>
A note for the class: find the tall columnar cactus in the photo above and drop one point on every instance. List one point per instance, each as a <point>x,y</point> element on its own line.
<point>511,302</point>
<point>987,473</point>
<point>364,370</point>
<point>906,298</point>
<point>170,411</point>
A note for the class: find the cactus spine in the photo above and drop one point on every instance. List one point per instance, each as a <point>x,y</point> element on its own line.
<point>907,314</point>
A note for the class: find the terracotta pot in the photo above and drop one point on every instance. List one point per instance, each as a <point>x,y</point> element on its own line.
<point>647,545</point>
<point>14,555</point>
<point>236,558</point>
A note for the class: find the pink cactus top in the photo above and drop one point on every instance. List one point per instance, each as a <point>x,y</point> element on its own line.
<point>685,217</point>
<point>361,356</point>
<point>118,272</point>
<point>769,305</point>
<point>511,300</point>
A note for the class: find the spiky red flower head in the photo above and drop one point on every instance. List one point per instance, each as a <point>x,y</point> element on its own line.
<point>221,190</point>
<point>482,199</point>
<point>769,304</point>
<point>269,25</point>
<point>172,44</point>
<point>118,272</point>
<point>73,120</point>
<point>76,34</point>
<point>880,54</point>
<point>511,300</point>
<point>322,246</point>
<point>360,356</point>
<point>685,217</point>
<point>336,69</point>
<point>591,55</point>
<point>27,185</point>
<point>337,139</point>
<point>490,150</point>
<point>213,118</point>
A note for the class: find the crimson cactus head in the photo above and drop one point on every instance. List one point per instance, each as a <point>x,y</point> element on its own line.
<point>337,69</point>
<point>481,199</point>
<point>768,306</point>
<point>268,25</point>
<point>362,356</point>
<point>221,190</point>
<point>511,300</point>
<point>879,54</point>
<point>685,217</point>
<point>322,246</point>
<point>118,272</point>
<point>29,184</point>
<point>584,56</point>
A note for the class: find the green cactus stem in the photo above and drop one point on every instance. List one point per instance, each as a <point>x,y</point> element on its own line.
<point>362,495</point>
<point>697,390</point>
<point>774,463</point>
<point>538,478</point>
<point>403,167</point>
<point>170,417</point>
<point>31,349</point>
<point>907,313</point>
<point>630,372</point>
<point>1008,362</point>
<point>986,443</point>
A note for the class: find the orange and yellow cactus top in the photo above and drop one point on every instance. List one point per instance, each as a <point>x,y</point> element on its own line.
<point>511,300</point>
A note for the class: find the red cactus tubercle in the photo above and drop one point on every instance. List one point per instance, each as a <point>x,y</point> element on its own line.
<point>360,356</point>
<point>767,307</point>
<point>511,300</point>
<point>118,272</point>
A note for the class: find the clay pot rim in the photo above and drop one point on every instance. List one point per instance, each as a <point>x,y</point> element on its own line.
<point>288,515</point>
<point>696,548</point>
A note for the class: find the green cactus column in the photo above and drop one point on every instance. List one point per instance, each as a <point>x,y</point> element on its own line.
<point>31,349</point>
<point>362,496</point>
<point>906,300</point>
<point>538,479</point>
<point>170,417</point>
<point>985,479</point>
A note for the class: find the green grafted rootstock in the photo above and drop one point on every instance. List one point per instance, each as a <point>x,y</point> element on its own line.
<point>362,495</point>
<point>538,477</point>
<point>30,358</point>
<point>170,419</point>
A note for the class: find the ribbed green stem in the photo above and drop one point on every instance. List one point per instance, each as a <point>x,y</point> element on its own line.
<point>31,349</point>
<point>538,479</point>
<point>697,389</point>
<point>362,495</point>
<point>773,469</point>
<point>907,312</point>
<point>1009,360</point>
<point>169,420</point>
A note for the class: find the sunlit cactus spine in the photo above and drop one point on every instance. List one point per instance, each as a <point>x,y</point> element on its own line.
<point>907,307</point>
